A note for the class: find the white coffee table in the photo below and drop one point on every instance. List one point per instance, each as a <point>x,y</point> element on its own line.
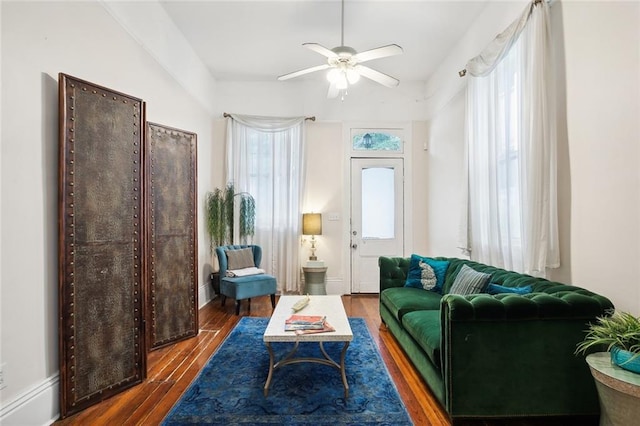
<point>329,306</point>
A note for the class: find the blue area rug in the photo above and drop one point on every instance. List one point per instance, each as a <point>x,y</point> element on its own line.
<point>229,389</point>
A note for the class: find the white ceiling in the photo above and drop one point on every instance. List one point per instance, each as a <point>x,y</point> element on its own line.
<point>259,40</point>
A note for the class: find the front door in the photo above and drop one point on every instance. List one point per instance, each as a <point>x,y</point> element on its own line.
<point>377,226</point>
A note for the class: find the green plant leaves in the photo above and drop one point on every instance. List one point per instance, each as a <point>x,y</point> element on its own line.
<point>620,329</point>
<point>220,215</point>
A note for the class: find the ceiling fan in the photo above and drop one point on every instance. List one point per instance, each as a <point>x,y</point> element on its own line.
<point>345,66</point>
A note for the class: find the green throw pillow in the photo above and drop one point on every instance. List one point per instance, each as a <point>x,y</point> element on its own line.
<point>469,281</point>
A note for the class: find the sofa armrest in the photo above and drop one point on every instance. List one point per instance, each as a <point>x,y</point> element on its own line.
<point>509,354</point>
<point>393,271</point>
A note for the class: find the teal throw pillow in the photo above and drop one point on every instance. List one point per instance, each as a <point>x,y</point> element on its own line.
<point>493,288</point>
<point>422,271</point>
<point>469,281</point>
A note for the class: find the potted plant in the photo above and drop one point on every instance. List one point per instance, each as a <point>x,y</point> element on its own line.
<point>620,335</point>
<point>220,205</point>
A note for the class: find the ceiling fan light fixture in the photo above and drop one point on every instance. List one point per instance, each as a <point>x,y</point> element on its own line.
<point>333,75</point>
<point>345,64</point>
<point>341,82</point>
<point>353,76</point>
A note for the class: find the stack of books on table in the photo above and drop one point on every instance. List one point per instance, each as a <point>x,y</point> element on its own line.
<point>305,324</point>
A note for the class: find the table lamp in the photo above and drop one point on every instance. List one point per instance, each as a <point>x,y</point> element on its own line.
<point>312,225</point>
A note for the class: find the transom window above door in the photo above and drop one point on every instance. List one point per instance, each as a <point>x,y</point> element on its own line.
<point>377,140</point>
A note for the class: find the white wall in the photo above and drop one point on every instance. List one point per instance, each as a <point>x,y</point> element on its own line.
<point>602,87</point>
<point>365,101</point>
<point>597,48</point>
<point>324,193</point>
<point>39,40</point>
<point>445,180</point>
<point>420,208</point>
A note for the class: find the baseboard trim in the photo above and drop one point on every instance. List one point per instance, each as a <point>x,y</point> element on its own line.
<point>38,406</point>
<point>205,294</point>
<point>337,286</point>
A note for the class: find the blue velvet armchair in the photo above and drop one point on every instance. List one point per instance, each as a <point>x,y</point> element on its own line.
<point>244,287</point>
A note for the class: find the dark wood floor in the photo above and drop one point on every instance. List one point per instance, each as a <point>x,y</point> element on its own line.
<point>171,370</point>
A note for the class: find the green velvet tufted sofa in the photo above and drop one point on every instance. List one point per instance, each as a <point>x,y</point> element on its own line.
<point>504,355</point>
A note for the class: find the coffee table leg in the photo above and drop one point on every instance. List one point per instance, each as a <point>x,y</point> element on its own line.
<point>343,370</point>
<point>268,382</point>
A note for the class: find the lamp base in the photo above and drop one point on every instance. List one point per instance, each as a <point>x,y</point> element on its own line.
<point>313,248</point>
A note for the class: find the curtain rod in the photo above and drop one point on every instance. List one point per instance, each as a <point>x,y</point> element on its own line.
<point>463,71</point>
<point>227,115</point>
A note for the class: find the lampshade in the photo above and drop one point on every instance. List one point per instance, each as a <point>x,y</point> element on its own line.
<point>311,224</point>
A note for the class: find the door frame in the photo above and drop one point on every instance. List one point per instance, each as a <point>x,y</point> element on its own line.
<point>408,186</point>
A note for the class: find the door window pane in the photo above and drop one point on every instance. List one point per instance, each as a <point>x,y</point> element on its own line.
<point>378,203</point>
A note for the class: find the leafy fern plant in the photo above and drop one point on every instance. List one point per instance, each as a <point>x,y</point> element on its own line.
<point>220,206</point>
<point>621,330</point>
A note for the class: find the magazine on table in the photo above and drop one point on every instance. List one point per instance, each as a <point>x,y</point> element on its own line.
<point>304,322</point>
<point>327,328</point>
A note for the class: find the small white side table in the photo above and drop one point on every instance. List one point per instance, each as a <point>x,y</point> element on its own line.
<point>618,390</point>
<point>315,280</point>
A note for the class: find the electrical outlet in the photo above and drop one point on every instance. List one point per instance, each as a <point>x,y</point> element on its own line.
<point>2,383</point>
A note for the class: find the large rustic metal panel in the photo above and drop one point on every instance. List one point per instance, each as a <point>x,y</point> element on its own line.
<point>101,244</point>
<point>172,235</point>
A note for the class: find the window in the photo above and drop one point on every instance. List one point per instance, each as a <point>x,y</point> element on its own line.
<point>512,149</point>
<point>372,140</point>
<point>377,190</point>
<point>265,159</point>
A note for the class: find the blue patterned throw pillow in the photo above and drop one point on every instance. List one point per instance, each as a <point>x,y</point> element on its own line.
<point>469,281</point>
<point>422,271</point>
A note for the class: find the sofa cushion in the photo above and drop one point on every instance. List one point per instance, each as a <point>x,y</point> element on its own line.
<point>414,275</point>
<point>424,327</point>
<point>469,281</point>
<point>247,287</point>
<point>401,300</point>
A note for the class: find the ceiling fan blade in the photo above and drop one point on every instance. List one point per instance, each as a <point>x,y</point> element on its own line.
<point>377,76</point>
<point>333,91</point>
<point>304,71</point>
<point>318,48</point>
<point>378,52</point>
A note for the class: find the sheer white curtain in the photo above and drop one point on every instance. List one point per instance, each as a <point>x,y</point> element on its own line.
<point>511,147</point>
<point>265,158</point>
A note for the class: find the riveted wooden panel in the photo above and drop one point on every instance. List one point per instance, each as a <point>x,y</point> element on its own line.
<point>101,244</point>
<point>171,183</point>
